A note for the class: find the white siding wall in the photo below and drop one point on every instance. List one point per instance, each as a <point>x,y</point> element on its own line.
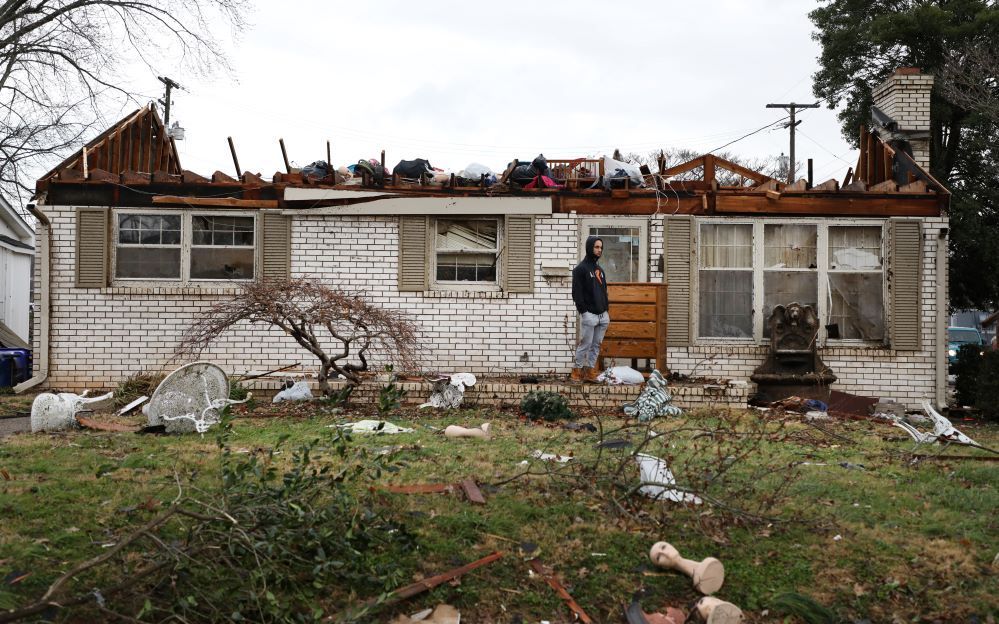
<point>100,336</point>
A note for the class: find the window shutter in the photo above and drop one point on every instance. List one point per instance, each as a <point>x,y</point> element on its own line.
<point>275,256</point>
<point>518,260</point>
<point>679,252</point>
<point>906,257</point>
<point>92,247</point>
<point>413,254</point>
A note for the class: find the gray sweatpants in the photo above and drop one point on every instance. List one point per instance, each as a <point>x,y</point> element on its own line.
<point>592,328</point>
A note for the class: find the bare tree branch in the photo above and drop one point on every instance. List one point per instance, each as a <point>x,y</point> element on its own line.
<point>322,319</point>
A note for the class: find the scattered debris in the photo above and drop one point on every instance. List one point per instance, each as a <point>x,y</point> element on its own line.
<point>578,426</point>
<point>421,488</point>
<point>472,492</point>
<point>426,584</point>
<point>658,481</point>
<point>481,432</point>
<point>551,457</point>
<point>715,611</point>
<point>553,582</point>
<point>615,443</point>
<point>707,575</point>
<point>373,426</point>
<point>299,391</point>
<point>448,392</point>
<point>190,399</point>
<point>654,401</point>
<point>853,404</point>
<point>134,404</point>
<point>621,375</point>
<point>815,415</point>
<point>635,615</point>
<point>57,412</point>
<point>441,614</point>
<point>943,430</point>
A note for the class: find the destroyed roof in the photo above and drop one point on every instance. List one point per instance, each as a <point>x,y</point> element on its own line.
<point>135,163</point>
<point>139,142</point>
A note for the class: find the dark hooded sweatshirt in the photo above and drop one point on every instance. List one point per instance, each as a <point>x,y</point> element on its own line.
<point>589,283</point>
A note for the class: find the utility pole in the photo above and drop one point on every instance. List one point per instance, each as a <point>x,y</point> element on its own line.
<point>791,108</point>
<point>170,84</point>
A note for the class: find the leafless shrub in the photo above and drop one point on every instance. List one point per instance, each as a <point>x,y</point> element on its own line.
<point>341,329</point>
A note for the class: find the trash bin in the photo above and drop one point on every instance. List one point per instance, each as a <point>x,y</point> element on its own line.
<point>15,366</point>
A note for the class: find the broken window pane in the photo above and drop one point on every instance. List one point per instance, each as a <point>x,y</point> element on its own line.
<point>726,246</point>
<point>726,304</point>
<point>466,267</point>
<point>789,246</point>
<point>148,247</point>
<point>223,231</point>
<point>855,248</point>
<point>219,263</point>
<point>467,250</point>
<point>785,287</point>
<point>149,229</point>
<point>148,263</point>
<point>857,305</point>
<point>466,234</point>
<point>621,258</point>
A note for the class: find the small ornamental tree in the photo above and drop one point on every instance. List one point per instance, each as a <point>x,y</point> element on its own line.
<point>341,329</point>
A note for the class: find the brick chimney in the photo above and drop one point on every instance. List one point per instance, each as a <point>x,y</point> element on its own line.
<point>905,97</point>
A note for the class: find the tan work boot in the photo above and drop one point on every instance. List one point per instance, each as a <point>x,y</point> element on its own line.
<point>577,375</point>
<point>592,374</point>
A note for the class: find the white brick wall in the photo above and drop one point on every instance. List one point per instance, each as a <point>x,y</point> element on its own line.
<point>906,99</point>
<point>100,336</point>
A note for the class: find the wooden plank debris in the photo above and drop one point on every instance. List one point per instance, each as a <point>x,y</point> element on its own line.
<point>566,597</point>
<point>472,491</point>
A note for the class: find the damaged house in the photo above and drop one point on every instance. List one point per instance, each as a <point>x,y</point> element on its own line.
<point>132,247</point>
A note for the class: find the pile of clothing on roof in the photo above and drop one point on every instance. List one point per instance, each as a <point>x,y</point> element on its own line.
<point>537,174</point>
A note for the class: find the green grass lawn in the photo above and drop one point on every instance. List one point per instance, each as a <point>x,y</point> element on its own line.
<point>891,541</point>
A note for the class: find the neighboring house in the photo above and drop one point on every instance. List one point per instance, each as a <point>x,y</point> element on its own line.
<point>17,249</point>
<point>127,260</point>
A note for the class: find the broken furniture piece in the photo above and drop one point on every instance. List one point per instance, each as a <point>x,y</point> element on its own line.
<point>943,430</point>
<point>481,432</point>
<point>658,482</point>
<point>635,615</point>
<point>441,614</point>
<point>715,611</point>
<point>373,426</point>
<point>707,575</point>
<point>449,392</point>
<point>654,400</point>
<point>793,366</point>
<point>190,399</point>
<point>57,412</point>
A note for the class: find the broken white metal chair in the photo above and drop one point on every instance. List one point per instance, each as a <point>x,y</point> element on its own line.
<point>449,392</point>
<point>57,412</point>
<point>943,430</point>
<point>190,399</point>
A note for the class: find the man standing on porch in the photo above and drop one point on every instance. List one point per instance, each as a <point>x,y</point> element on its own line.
<point>589,293</point>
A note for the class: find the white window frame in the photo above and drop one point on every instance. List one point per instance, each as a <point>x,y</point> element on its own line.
<point>462,285</point>
<point>643,244</point>
<point>822,262</point>
<point>186,238</point>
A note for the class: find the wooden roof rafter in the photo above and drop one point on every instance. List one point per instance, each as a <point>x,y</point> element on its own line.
<point>138,143</point>
<point>709,163</point>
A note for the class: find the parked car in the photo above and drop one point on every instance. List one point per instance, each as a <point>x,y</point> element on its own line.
<point>957,337</point>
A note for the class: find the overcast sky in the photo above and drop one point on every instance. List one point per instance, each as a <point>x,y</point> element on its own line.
<point>472,82</point>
